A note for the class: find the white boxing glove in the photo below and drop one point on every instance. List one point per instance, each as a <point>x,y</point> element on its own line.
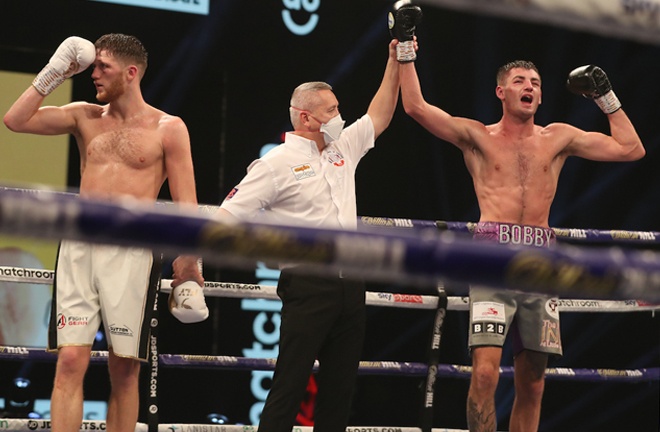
<point>73,56</point>
<point>187,303</point>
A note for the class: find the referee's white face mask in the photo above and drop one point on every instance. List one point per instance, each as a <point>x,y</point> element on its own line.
<point>332,129</point>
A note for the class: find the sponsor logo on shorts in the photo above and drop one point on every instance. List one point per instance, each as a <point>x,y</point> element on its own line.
<point>524,235</point>
<point>303,171</point>
<point>552,308</point>
<point>488,327</point>
<point>77,321</point>
<point>488,311</point>
<point>63,321</point>
<point>120,330</point>
<point>550,334</point>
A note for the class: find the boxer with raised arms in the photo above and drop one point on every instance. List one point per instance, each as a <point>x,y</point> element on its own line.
<point>515,166</point>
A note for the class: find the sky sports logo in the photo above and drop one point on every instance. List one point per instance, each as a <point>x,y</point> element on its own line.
<point>200,7</point>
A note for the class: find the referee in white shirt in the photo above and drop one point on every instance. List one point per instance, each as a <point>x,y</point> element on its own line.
<point>310,180</point>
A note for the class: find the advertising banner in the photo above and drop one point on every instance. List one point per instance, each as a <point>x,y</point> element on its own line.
<point>637,20</point>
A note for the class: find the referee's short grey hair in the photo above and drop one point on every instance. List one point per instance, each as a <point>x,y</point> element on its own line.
<point>304,99</point>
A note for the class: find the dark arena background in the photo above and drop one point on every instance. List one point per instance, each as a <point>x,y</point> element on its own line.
<point>229,75</point>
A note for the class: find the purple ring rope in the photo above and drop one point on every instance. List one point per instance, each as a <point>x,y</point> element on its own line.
<point>566,234</point>
<point>571,234</point>
<point>422,259</point>
<point>366,367</point>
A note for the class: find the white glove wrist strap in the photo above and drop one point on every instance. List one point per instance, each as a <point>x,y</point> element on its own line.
<point>47,80</point>
<point>405,51</point>
<point>608,103</point>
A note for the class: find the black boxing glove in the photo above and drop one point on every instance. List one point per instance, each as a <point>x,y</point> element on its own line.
<point>402,22</point>
<point>591,82</point>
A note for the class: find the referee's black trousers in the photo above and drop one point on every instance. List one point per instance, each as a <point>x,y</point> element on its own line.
<point>322,318</point>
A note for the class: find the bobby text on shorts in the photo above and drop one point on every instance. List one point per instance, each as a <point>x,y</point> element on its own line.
<point>532,318</point>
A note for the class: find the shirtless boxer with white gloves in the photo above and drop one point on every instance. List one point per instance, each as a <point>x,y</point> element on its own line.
<point>127,150</point>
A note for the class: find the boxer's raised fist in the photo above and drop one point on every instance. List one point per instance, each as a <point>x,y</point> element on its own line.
<point>402,22</point>
<point>591,82</point>
<point>73,56</point>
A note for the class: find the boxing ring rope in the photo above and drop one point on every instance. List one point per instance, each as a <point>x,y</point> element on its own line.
<point>384,368</point>
<point>617,273</point>
<point>386,299</point>
<point>383,299</point>
<point>410,369</point>
<point>563,234</point>
<point>421,259</point>
<point>217,289</point>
